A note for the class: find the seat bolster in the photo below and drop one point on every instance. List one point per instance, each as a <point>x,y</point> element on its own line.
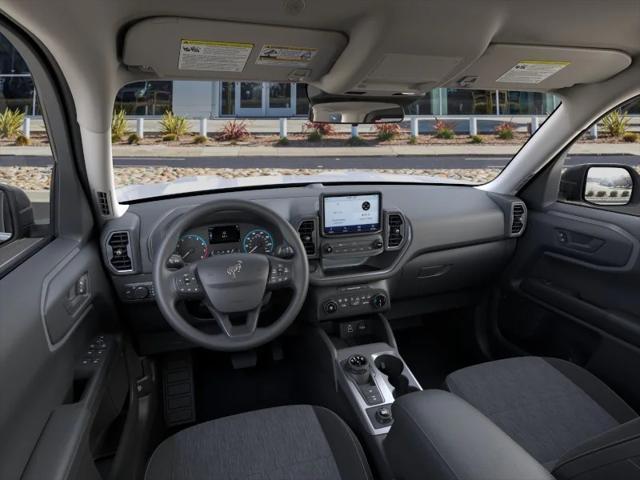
<point>595,388</point>
<point>613,454</point>
<point>438,435</point>
<point>347,451</point>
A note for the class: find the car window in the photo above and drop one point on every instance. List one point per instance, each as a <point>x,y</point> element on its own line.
<point>178,136</point>
<point>26,161</point>
<point>602,168</point>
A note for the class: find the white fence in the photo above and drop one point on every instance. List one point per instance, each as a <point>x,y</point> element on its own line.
<point>417,124</point>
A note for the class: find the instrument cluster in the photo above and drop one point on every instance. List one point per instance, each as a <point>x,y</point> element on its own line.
<point>207,241</point>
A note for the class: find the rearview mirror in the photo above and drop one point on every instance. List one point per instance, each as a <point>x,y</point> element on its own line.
<point>608,186</point>
<point>356,109</point>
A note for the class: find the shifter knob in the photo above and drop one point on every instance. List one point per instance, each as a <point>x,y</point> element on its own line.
<point>358,366</point>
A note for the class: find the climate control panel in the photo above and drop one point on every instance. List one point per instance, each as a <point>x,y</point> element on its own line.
<point>353,300</point>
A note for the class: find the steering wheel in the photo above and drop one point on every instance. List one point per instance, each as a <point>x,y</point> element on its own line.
<point>232,285</point>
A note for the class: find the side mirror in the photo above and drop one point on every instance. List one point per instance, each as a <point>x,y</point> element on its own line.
<point>16,213</point>
<point>604,185</point>
<point>608,186</point>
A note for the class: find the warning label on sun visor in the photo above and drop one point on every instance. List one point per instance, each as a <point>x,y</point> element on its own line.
<point>532,71</point>
<point>214,56</point>
<point>285,56</point>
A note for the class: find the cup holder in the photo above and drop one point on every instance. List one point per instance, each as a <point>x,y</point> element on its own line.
<point>393,367</point>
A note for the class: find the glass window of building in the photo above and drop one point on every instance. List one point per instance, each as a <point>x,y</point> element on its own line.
<point>145,98</point>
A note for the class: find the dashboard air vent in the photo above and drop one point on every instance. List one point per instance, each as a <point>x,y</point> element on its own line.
<point>307,235</point>
<point>119,254</point>
<point>396,230</point>
<point>103,203</point>
<point>518,218</point>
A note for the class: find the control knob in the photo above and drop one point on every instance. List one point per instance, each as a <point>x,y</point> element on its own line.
<point>328,248</point>
<point>383,415</point>
<point>330,307</point>
<point>379,300</point>
<point>377,244</point>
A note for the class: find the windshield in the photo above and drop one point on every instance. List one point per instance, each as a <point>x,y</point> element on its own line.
<point>181,136</point>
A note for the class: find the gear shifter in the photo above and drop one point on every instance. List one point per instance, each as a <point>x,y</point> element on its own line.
<point>358,366</point>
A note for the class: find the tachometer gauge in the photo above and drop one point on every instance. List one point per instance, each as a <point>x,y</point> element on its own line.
<point>258,241</point>
<point>192,247</point>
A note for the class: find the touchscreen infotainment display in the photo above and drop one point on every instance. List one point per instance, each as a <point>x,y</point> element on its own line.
<point>351,214</point>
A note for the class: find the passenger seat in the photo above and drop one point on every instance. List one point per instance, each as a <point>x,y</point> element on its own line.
<point>562,415</point>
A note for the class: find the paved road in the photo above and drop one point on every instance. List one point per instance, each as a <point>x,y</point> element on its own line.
<point>331,163</point>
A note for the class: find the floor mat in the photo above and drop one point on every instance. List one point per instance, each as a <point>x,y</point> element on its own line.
<point>222,390</point>
<point>438,345</point>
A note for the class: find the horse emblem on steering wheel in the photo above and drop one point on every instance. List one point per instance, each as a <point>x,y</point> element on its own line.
<point>234,270</point>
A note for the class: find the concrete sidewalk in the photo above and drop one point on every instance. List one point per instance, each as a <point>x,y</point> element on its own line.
<point>380,150</point>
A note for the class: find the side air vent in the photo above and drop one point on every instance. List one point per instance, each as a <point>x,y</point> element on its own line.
<point>395,231</point>
<point>307,231</point>
<point>120,252</point>
<point>518,218</point>
<point>103,203</point>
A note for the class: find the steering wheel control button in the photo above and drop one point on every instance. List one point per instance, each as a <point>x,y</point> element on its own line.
<point>279,274</point>
<point>187,284</point>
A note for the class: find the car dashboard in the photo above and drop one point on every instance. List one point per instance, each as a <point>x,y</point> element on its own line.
<point>393,249</point>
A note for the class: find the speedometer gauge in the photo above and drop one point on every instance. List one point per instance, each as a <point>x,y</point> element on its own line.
<point>192,247</point>
<point>258,241</point>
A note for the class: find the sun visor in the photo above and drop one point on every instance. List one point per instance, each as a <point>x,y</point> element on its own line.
<point>524,67</point>
<point>184,48</point>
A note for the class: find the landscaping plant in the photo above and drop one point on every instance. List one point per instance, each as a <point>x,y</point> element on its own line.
<point>616,123</point>
<point>444,129</point>
<point>282,142</point>
<point>118,125</point>
<point>133,139</point>
<point>174,125</point>
<point>200,140</point>
<point>316,130</point>
<point>630,137</point>
<point>232,131</point>
<point>355,141</point>
<point>386,131</point>
<point>476,139</point>
<point>505,131</point>
<point>10,123</point>
<point>22,141</point>
<point>169,137</point>
<point>413,140</point>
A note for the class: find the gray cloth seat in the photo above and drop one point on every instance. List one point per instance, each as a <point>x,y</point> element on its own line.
<point>294,443</point>
<point>548,406</point>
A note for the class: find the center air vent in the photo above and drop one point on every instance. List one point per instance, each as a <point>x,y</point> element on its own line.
<point>119,252</point>
<point>518,218</point>
<point>307,231</point>
<point>396,230</point>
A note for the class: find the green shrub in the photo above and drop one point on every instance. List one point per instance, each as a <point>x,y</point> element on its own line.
<point>355,141</point>
<point>200,139</point>
<point>386,131</point>
<point>118,125</point>
<point>22,141</point>
<point>10,123</point>
<point>314,136</point>
<point>616,123</point>
<point>505,131</point>
<point>444,130</point>
<point>613,193</point>
<point>232,131</point>
<point>133,139</point>
<point>169,137</point>
<point>476,139</point>
<point>630,137</point>
<point>413,140</point>
<point>282,142</point>
<point>171,124</point>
